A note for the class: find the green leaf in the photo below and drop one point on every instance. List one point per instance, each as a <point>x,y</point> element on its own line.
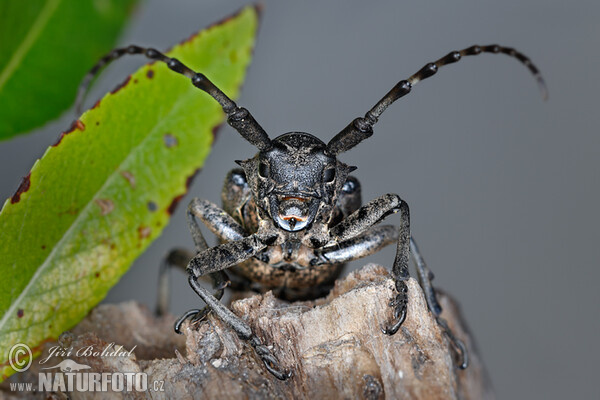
<point>107,188</point>
<point>46,47</point>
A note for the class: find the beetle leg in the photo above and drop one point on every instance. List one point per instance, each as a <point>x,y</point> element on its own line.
<point>370,242</point>
<point>216,219</point>
<point>425,277</point>
<point>369,215</point>
<point>179,258</point>
<point>222,257</point>
<point>222,225</point>
<point>220,282</point>
<point>460,350</point>
<point>373,240</point>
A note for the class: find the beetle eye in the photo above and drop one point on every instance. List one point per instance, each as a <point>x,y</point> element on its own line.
<point>329,175</point>
<point>263,169</point>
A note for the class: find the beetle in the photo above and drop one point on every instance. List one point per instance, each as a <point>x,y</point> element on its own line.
<point>292,214</point>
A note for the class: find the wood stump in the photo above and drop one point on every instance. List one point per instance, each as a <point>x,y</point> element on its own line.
<point>334,347</point>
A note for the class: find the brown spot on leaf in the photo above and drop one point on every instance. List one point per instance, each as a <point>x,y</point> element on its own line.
<point>97,123</point>
<point>97,274</point>
<point>177,199</point>
<point>23,187</point>
<point>60,138</point>
<point>144,231</point>
<point>20,313</point>
<point>173,206</point>
<point>150,74</point>
<point>43,247</point>
<point>113,246</point>
<point>130,178</point>
<point>106,206</point>
<point>257,7</point>
<point>189,39</point>
<point>121,85</point>
<point>77,124</point>
<point>135,81</point>
<point>170,140</point>
<point>190,179</point>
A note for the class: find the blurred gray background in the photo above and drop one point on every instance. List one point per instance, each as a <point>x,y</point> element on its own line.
<point>503,187</point>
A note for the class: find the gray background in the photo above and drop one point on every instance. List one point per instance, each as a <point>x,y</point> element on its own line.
<point>503,187</point>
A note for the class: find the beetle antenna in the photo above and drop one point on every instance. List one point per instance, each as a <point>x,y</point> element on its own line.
<point>362,128</point>
<point>238,117</point>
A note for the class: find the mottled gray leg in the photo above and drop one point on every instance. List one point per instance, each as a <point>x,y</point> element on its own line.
<point>369,215</point>
<point>224,227</point>
<point>216,219</point>
<point>370,242</point>
<point>373,240</point>
<point>222,257</point>
<point>425,277</point>
<point>179,258</point>
<point>241,328</point>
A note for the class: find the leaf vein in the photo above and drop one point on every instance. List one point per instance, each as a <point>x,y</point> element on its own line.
<point>37,27</point>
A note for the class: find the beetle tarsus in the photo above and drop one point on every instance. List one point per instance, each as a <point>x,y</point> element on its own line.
<point>399,303</point>
<point>271,363</point>
<point>181,320</point>
<point>459,349</point>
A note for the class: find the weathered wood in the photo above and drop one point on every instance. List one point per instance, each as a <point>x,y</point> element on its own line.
<point>334,346</point>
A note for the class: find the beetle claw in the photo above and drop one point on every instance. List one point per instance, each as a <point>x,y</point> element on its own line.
<point>271,363</point>
<point>399,303</point>
<point>196,316</point>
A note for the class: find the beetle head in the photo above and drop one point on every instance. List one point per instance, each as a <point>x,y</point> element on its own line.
<point>296,180</point>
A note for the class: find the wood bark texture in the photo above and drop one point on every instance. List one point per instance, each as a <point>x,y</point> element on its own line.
<point>334,346</point>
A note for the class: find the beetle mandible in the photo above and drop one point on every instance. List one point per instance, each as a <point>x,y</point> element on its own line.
<point>292,214</point>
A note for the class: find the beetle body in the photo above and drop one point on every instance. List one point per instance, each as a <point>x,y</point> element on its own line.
<point>292,215</point>
<point>290,266</point>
